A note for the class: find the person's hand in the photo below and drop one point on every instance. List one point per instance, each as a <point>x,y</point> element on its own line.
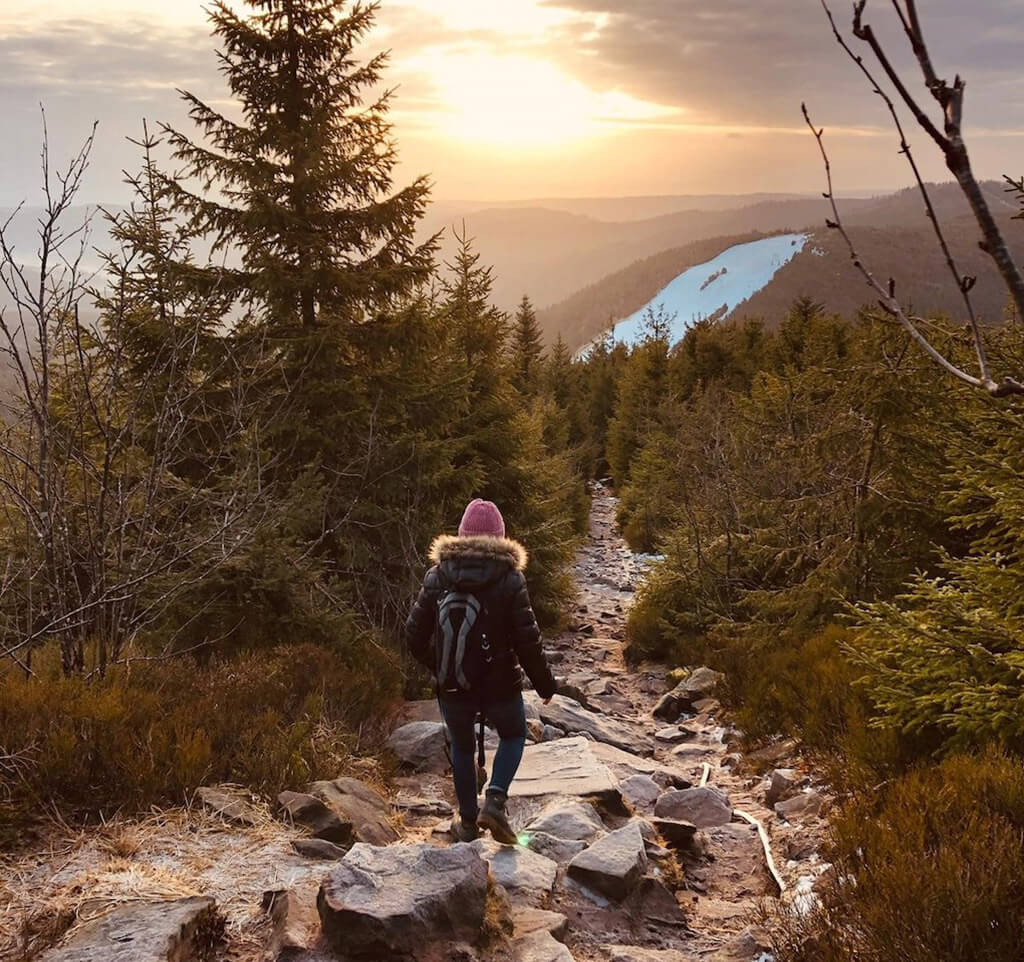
<point>547,701</point>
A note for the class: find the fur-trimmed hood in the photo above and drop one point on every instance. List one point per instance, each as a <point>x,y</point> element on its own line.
<point>477,548</point>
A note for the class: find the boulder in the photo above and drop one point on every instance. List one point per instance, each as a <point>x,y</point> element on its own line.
<point>567,766</point>
<point>230,803</point>
<point>316,816</point>
<point>704,807</point>
<point>560,850</point>
<point>420,746</point>
<point>641,791</point>
<point>678,834</point>
<point>696,687</point>
<point>568,819</point>
<point>549,733</point>
<point>699,684</point>
<point>535,729</point>
<point>540,946</point>
<point>571,716</point>
<point>613,864</point>
<point>809,804</point>
<point>169,931</point>
<point>394,901</point>
<point>356,802</point>
<point>318,848</point>
<point>668,708</point>
<point>295,923</point>
<point>526,920</point>
<point>782,783</point>
<point>525,875</point>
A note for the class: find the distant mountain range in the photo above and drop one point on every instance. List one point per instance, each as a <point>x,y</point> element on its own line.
<point>891,233</point>
<point>587,261</point>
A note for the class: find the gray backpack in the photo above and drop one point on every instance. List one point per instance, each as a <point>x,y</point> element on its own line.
<point>464,653</point>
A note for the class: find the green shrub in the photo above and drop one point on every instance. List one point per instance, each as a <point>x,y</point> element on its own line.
<point>930,866</point>
<point>154,731</point>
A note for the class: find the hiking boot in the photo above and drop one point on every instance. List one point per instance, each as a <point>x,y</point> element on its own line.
<point>464,831</point>
<point>494,819</point>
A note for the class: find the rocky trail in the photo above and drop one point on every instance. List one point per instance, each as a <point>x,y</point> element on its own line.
<point>645,836</point>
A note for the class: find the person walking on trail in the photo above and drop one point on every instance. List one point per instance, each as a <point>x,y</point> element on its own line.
<point>473,626</point>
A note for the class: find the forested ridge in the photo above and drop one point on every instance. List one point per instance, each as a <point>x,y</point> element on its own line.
<point>218,499</point>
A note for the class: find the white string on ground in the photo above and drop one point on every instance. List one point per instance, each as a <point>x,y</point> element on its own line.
<point>767,848</point>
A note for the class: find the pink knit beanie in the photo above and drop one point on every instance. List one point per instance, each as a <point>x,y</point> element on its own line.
<point>482,518</point>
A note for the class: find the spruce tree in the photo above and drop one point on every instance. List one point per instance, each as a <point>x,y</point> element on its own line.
<point>642,391</point>
<point>306,175</point>
<point>298,199</point>
<point>527,349</point>
<point>558,372</point>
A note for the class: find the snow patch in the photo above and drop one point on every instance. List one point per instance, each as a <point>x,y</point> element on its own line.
<point>714,289</point>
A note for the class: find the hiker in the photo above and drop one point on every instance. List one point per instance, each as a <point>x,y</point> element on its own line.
<point>473,626</point>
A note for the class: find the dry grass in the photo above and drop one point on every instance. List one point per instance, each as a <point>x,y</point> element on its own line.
<point>167,855</point>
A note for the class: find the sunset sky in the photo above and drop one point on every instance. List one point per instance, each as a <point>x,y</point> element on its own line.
<point>533,98</point>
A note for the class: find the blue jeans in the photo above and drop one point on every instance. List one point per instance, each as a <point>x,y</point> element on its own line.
<point>508,716</point>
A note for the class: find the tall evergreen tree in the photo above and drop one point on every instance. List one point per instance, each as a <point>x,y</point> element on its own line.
<point>321,253</point>
<point>558,372</point>
<point>527,349</point>
<point>305,176</point>
<point>642,392</point>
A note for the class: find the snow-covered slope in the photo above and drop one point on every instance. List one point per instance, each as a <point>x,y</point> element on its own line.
<point>715,288</point>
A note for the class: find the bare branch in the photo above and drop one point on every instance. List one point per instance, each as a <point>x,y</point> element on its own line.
<point>951,143</point>
<point>886,295</point>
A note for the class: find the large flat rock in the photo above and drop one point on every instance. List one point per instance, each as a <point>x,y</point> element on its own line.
<point>391,902</point>
<point>567,766</point>
<point>572,717</point>
<point>625,764</point>
<point>176,931</point>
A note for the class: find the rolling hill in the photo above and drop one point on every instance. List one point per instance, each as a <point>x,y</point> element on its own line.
<point>892,234</point>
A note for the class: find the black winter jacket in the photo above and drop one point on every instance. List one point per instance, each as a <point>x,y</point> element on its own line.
<point>492,569</point>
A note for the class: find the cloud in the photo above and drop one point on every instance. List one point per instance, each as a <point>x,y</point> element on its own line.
<point>129,59</point>
<point>736,70</point>
<point>738,61</point>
